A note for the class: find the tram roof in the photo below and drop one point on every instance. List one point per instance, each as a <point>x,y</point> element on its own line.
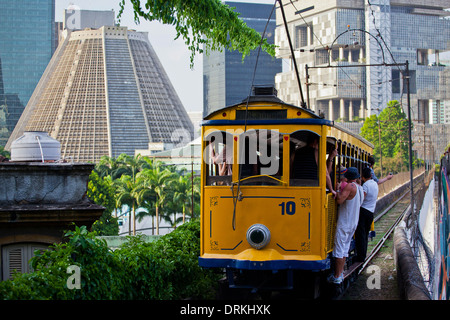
<point>274,99</point>
<point>263,98</point>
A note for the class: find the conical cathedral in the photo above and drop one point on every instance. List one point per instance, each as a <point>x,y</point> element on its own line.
<point>105,92</point>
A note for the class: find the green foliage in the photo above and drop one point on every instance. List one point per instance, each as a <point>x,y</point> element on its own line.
<point>4,152</point>
<point>101,191</point>
<point>148,272</point>
<point>203,25</point>
<point>165,269</point>
<point>48,281</point>
<point>389,134</point>
<point>187,278</point>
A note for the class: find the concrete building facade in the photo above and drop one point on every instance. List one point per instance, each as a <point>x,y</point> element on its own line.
<point>345,45</point>
<point>381,31</point>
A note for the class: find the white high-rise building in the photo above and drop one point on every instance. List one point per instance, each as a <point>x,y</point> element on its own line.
<point>346,47</point>
<point>381,32</point>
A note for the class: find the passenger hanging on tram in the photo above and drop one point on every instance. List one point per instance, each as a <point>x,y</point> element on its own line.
<point>350,200</point>
<point>342,180</point>
<point>371,161</point>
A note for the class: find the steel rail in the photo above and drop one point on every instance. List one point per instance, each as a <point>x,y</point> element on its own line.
<point>380,243</point>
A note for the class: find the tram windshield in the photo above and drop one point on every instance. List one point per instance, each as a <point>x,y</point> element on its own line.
<point>260,157</point>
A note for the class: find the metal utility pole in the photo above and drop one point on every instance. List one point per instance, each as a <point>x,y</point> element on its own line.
<point>303,104</point>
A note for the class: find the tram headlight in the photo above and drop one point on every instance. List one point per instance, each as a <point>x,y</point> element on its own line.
<point>258,236</point>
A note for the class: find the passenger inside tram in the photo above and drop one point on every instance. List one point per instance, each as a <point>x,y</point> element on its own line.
<point>223,159</point>
<point>305,160</point>
<point>261,153</point>
<point>219,158</point>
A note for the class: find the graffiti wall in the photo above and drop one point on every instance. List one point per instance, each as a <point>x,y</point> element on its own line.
<point>444,228</point>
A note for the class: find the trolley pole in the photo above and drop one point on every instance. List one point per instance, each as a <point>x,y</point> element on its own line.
<point>192,182</point>
<point>303,104</point>
<point>410,136</point>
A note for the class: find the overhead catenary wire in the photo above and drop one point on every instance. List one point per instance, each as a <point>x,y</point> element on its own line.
<point>320,42</point>
<point>389,51</point>
<point>379,35</point>
<point>238,194</point>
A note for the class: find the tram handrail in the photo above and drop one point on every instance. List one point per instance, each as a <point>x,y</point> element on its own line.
<point>259,176</point>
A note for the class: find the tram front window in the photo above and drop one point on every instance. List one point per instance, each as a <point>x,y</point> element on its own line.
<point>260,157</point>
<point>219,153</point>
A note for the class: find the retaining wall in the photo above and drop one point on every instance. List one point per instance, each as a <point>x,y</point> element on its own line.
<point>410,281</point>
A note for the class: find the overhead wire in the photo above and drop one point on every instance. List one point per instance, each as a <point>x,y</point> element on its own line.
<point>320,42</point>
<point>378,35</point>
<point>238,194</point>
<point>388,49</point>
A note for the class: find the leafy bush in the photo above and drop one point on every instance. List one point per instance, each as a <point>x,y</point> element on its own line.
<point>165,269</point>
<point>182,248</point>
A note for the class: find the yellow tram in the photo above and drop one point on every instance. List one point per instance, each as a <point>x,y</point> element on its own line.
<point>265,214</point>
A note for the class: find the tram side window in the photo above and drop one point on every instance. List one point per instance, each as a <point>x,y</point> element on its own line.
<point>219,153</point>
<point>332,152</point>
<point>260,159</point>
<point>304,158</point>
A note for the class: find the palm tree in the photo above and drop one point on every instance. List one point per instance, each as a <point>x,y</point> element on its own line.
<point>154,184</point>
<point>183,192</point>
<point>107,166</point>
<point>132,165</point>
<point>127,192</point>
<point>147,209</point>
<point>197,194</point>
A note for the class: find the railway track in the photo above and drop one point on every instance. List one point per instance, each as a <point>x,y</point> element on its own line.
<point>384,225</point>
<point>386,221</point>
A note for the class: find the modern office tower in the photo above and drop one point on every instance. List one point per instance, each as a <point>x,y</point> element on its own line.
<point>381,31</point>
<point>226,78</point>
<point>26,47</point>
<point>105,92</point>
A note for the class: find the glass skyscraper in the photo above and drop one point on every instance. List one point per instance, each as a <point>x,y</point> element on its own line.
<point>226,78</point>
<point>26,47</point>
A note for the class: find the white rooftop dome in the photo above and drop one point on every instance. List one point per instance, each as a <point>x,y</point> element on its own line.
<point>35,146</point>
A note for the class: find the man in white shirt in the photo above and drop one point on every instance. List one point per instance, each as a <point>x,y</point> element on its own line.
<point>370,188</point>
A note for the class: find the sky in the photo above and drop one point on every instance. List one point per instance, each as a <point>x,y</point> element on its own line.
<point>173,54</point>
